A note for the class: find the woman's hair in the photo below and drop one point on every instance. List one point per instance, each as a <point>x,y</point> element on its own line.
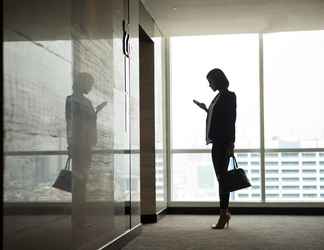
<point>219,76</point>
<point>82,81</point>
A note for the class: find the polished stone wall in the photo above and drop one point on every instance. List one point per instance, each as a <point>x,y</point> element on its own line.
<point>37,78</point>
<point>47,44</point>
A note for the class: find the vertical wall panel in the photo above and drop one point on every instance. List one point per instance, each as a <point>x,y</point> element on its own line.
<point>151,28</point>
<point>37,58</point>
<point>47,45</point>
<point>134,111</point>
<point>97,39</point>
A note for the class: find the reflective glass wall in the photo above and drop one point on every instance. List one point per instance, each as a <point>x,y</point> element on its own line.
<point>69,91</point>
<point>38,76</point>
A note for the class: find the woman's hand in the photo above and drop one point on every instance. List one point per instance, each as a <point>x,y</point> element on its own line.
<point>201,105</point>
<point>100,106</point>
<point>230,149</point>
<point>69,150</point>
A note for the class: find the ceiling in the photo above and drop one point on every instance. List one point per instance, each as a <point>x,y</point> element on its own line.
<point>196,17</point>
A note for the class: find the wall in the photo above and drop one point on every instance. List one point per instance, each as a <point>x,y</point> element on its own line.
<point>151,29</point>
<point>134,112</point>
<point>46,46</point>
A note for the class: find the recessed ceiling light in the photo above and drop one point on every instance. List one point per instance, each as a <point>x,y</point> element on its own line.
<point>174,8</point>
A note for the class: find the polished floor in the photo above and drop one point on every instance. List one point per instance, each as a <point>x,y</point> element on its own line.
<point>273,232</point>
<point>54,232</point>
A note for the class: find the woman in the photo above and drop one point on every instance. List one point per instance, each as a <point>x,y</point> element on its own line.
<point>81,119</point>
<point>220,131</point>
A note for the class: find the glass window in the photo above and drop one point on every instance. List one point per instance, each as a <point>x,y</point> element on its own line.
<point>293,85</point>
<point>272,171</point>
<point>290,187</point>
<point>193,177</point>
<point>293,77</point>
<point>160,181</point>
<point>289,154</point>
<point>191,59</point>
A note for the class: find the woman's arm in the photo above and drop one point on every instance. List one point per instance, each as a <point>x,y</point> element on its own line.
<point>68,119</point>
<point>201,105</point>
<point>231,119</point>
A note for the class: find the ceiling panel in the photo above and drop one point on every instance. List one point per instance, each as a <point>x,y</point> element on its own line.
<point>196,17</point>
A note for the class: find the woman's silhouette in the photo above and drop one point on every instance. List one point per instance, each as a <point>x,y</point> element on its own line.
<point>220,131</point>
<point>81,120</point>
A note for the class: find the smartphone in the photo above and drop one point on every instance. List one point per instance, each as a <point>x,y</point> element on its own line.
<point>196,102</point>
<point>100,106</point>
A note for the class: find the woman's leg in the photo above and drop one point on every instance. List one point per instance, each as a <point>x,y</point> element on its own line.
<point>220,162</point>
<point>81,161</point>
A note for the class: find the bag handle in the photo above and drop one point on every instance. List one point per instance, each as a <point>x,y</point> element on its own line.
<point>68,163</point>
<point>234,162</point>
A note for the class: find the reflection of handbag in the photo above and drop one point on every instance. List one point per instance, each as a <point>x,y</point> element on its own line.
<point>235,179</point>
<point>64,179</point>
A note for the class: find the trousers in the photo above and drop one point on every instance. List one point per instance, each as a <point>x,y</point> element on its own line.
<point>221,159</point>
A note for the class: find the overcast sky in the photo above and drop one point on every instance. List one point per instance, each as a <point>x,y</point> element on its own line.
<point>294,86</point>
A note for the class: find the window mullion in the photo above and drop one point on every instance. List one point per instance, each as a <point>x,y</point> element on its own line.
<point>261,95</point>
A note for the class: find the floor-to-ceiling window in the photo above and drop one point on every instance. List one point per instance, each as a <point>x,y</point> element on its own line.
<point>193,177</point>
<point>294,121</point>
<point>290,64</point>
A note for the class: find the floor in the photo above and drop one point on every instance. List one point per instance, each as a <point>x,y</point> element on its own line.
<point>175,232</point>
<point>54,232</point>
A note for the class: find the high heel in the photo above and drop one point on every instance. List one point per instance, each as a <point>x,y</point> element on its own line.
<point>229,217</point>
<point>223,220</point>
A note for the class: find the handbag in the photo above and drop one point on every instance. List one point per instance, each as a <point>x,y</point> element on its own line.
<point>235,179</point>
<point>64,179</point>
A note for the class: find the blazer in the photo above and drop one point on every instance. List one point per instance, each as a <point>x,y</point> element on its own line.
<point>81,122</point>
<point>223,117</point>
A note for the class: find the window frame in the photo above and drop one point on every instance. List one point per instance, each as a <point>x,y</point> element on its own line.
<point>262,150</point>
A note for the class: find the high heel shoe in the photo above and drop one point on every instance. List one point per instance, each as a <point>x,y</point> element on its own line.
<point>223,220</point>
<point>228,214</point>
<point>229,217</point>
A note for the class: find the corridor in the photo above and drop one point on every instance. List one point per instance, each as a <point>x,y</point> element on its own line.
<point>245,232</point>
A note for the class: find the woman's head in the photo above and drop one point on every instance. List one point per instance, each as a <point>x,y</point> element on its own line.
<point>83,83</point>
<point>217,79</point>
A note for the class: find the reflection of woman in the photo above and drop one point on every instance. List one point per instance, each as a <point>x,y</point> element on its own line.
<point>220,131</point>
<point>82,136</point>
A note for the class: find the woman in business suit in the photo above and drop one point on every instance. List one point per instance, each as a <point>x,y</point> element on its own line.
<point>220,131</point>
<point>81,121</point>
